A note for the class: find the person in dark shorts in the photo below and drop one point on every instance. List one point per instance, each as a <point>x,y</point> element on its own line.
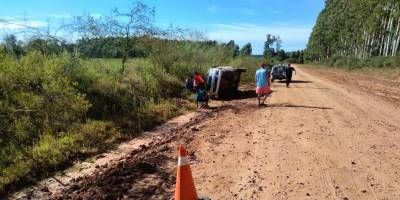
<point>289,73</point>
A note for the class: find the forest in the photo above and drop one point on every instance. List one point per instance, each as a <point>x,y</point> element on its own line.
<point>357,33</point>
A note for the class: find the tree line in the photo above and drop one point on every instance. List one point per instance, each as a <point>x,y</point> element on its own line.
<point>105,47</point>
<point>356,28</point>
<point>274,53</point>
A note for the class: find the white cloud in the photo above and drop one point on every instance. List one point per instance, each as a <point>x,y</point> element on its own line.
<point>96,15</point>
<point>7,25</point>
<point>293,37</point>
<point>212,8</point>
<point>65,16</point>
<point>7,18</point>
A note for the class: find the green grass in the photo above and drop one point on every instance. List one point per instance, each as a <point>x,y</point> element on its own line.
<point>353,63</point>
<point>249,63</point>
<point>385,67</point>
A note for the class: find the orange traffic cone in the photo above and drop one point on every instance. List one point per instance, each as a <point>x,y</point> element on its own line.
<point>185,189</point>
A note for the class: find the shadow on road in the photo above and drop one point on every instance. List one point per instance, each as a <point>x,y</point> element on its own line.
<point>296,81</point>
<point>288,105</point>
<point>246,94</point>
<point>315,88</point>
<point>241,94</point>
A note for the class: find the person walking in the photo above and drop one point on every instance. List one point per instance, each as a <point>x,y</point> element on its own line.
<point>289,73</point>
<point>263,84</point>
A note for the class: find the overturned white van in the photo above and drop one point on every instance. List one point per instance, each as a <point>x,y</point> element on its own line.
<point>223,82</point>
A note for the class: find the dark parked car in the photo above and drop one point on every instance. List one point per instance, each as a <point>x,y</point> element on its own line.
<point>278,72</point>
<point>223,82</point>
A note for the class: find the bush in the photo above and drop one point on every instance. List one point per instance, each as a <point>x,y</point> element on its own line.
<point>249,63</point>
<point>38,103</point>
<point>14,173</point>
<point>352,63</point>
<point>51,151</point>
<point>94,136</point>
<point>156,113</point>
<point>44,157</point>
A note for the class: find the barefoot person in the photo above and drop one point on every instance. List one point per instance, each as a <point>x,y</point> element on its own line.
<point>263,84</point>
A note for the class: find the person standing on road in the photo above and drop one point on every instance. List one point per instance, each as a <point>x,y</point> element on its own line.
<point>263,84</point>
<point>289,73</point>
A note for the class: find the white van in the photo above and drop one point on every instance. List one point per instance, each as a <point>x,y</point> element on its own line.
<point>223,82</point>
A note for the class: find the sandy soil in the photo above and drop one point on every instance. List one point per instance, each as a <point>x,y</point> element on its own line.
<point>328,136</point>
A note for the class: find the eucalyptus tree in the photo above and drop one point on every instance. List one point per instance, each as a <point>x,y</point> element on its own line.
<point>357,28</point>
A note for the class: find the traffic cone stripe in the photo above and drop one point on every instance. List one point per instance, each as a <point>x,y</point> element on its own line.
<point>182,161</point>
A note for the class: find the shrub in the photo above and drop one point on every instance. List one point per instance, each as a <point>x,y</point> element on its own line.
<point>352,63</point>
<point>51,151</point>
<point>94,136</point>
<point>43,157</point>
<point>14,173</point>
<point>249,63</point>
<point>156,113</point>
<point>38,102</point>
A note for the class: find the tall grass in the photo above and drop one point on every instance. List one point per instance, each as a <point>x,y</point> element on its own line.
<point>352,63</point>
<point>386,67</point>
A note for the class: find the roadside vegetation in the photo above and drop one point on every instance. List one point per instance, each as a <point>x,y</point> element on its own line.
<point>59,106</point>
<point>61,102</point>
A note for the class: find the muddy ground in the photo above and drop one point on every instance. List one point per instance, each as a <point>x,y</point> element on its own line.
<point>330,135</point>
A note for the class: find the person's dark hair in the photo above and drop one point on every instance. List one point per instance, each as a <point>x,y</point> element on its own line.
<point>196,73</point>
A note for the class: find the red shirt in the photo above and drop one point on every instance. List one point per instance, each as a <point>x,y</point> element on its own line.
<point>198,80</point>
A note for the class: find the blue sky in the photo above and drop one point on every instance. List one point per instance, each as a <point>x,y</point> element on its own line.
<point>241,20</point>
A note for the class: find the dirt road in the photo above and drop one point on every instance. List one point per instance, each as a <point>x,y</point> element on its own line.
<point>316,140</point>
<point>329,136</point>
